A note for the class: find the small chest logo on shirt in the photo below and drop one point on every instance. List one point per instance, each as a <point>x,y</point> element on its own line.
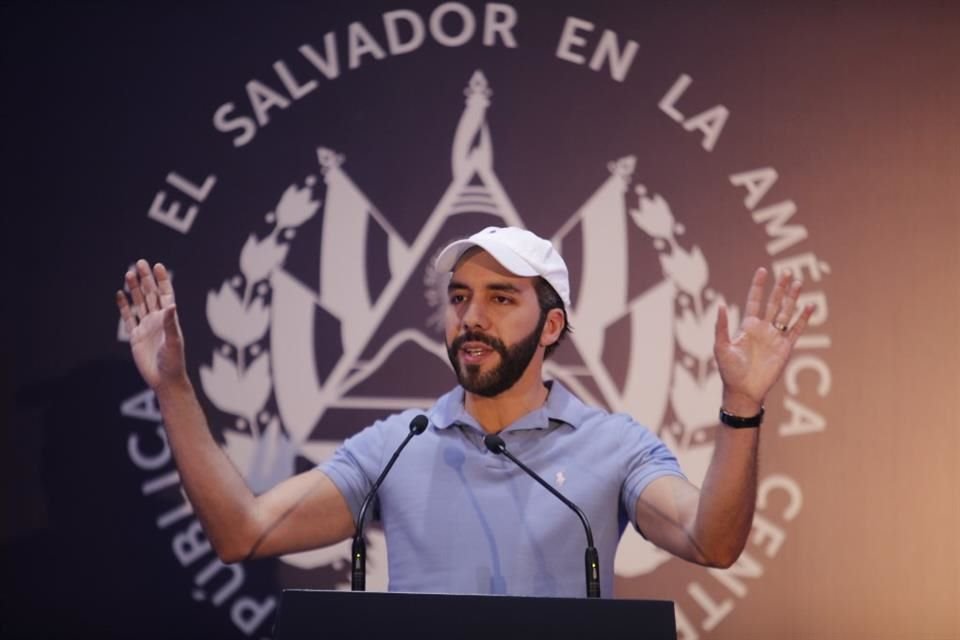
<point>559,479</point>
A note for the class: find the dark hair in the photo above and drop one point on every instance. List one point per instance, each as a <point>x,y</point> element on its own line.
<point>550,299</point>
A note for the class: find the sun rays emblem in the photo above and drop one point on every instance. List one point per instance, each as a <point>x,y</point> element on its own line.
<point>266,373</point>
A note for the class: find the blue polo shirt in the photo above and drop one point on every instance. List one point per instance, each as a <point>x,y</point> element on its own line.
<point>459,519</point>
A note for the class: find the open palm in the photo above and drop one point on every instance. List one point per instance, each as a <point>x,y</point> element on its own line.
<point>751,362</point>
<point>151,320</point>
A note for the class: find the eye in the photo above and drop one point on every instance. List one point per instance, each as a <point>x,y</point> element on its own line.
<point>457,298</point>
<point>502,299</point>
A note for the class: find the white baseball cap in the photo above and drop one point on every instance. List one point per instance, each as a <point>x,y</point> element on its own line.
<point>519,251</point>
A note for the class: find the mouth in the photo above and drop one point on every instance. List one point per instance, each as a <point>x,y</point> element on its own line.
<point>474,353</point>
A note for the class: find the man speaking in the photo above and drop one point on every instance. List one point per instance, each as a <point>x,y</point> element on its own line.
<point>458,516</point>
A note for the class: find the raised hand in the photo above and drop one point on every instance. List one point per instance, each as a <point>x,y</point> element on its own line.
<point>751,362</point>
<point>150,317</point>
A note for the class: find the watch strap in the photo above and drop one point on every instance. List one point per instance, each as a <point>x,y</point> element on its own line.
<point>739,422</point>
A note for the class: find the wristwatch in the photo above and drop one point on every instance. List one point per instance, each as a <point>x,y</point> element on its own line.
<point>739,422</point>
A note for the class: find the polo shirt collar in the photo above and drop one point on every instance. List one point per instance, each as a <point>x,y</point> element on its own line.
<point>561,405</point>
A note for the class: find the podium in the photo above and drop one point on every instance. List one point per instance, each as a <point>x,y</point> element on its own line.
<point>315,614</point>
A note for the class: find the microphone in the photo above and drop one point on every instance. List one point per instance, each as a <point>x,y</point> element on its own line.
<point>358,580</point>
<point>591,559</point>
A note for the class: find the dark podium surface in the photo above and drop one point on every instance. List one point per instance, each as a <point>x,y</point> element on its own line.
<point>306,613</point>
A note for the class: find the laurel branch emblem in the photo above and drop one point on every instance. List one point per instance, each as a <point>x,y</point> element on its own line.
<point>241,382</point>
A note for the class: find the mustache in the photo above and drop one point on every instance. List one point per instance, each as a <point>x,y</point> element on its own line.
<point>474,336</point>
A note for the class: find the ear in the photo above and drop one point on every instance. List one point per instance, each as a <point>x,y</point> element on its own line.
<point>552,328</point>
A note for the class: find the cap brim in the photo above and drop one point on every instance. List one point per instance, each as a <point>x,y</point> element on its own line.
<point>507,258</point>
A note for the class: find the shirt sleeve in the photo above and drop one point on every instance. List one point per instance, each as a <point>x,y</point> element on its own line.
<point>647,458</point>
<point>357,463</point>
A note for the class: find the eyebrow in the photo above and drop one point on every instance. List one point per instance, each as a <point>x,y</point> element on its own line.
<point>495,286</point>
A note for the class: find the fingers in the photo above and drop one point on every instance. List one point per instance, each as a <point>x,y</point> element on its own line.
<point>139,308</point>
<point>150,290</point>
<point>788,305</point>
<point>164,285</point>
<point>721,329</point>
<point>125,314</point>
<point>781,305</point>
<point>755,294</point>
<point>170,325</point>
<point>794,333</point>
<point>151,296</point>
<point>776,298</point>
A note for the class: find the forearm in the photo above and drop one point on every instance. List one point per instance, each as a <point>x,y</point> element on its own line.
<point>749,363</point>
<point>728,496</point>
<point>220,497</point>
<point>302,512</point>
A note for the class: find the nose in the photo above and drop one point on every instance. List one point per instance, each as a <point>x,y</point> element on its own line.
<point>474,315</point>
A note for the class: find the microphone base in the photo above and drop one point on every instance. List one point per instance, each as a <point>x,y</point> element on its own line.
<point>592,566</point>
<point>358,575</point>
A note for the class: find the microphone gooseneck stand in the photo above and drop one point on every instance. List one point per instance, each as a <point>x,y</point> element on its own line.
<point>591,558</point>
<point>358,576</point>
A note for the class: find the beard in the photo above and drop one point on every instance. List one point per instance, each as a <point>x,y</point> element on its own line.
<point>514,361</point>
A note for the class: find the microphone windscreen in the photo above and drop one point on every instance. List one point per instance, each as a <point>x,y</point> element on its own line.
<point>418,425</point>
<point>494,443</point>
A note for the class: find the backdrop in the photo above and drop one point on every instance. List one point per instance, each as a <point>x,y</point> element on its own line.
<point>297,166</point>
